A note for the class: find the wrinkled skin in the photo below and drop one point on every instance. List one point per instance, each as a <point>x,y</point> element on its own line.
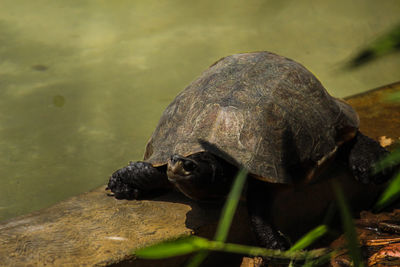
<point>201,176</point>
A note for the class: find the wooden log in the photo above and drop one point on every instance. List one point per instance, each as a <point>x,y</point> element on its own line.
<point>93,229</point>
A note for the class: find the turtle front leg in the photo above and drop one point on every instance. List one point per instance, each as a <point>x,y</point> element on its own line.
<point>363,154</point>
<point>258,202</point>
<point>136,180</point>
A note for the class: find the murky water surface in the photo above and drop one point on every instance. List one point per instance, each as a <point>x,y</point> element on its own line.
<point>83,83</point>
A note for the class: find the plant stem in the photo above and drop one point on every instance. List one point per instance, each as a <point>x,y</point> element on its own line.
<point>257,251</point>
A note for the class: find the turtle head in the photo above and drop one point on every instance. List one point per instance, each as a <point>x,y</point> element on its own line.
<point>199,176</point>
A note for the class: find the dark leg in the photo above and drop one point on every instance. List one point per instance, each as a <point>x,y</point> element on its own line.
<point>136,180</point>
<point>363,153</point>
<point>258,200</point>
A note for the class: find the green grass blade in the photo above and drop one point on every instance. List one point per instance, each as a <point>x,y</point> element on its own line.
<point>197,244</point>
<point>348,226</point>
<point>391,193</point>
<point>271,253</point>
<point>321,261</point>
<point>173,248</point>
<point>197,259</point>
<point>226,216</point>
<point>193,244</point>
<point>395,97</point>
<point>230,206</point>
<point>309,238</point>
<point>392,159</point>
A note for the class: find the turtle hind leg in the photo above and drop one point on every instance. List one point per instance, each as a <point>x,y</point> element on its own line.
<point>136,180</point>
<point>258,200</point>
<point>363,154</point>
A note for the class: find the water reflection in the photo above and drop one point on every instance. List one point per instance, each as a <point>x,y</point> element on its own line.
<point>83,83</point>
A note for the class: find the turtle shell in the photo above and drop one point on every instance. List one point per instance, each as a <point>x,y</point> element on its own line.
<point>269,113</point>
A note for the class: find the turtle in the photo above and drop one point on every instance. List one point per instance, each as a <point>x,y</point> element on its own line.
<point>259,111</point>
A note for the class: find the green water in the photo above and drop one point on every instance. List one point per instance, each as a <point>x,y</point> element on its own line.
<point>83,83</point>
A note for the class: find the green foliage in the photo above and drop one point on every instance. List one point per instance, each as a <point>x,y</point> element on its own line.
<point>270,253</point>
<point>306,241</point>
<point>348,226</point>
<point>194,243</point>
<point>230,207</point>
<point>202,246</point>
<point>320,261</point>
<point>226,216</point>
<point>391,193</point>
<point>391,160</point>
<point>382,46</point>
<point>387,43</point>
<point>395,97</point>
<point>197,259</point>
<point>317,257</point>
<point>173,248</point>
<point>310,238</point>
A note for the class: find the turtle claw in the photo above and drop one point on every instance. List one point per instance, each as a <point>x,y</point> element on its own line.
<point>110,194</point>
<point>136,180</point>
<point>136,193</point>
<point>122,185</point>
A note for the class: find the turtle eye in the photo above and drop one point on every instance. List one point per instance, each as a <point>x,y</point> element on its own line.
<point>189,165</point>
